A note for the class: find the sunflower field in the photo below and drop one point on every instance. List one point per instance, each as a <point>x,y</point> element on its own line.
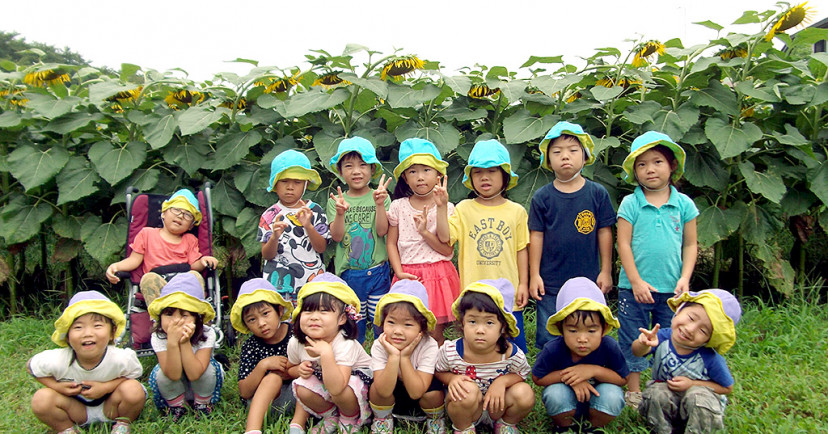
<point>751,117</point>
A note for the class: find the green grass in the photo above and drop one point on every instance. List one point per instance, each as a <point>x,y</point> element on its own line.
<point>780,363</point>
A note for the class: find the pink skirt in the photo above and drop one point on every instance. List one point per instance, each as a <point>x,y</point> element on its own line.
<point>442,284</point>
<point>355,383</point>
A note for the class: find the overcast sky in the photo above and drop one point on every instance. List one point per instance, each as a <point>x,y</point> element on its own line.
<point>201,36</point>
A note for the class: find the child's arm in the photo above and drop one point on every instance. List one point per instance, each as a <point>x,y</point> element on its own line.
<point>646,340</point>
<point>335,377</point>
<point>338,224</point>
<point>248,385</point>
<point>133,261</point>
<point>380,197</point>
<point>584,372</point>
<point>305,216</point>
<point>194,364</point>
<point>271,247</point>
<point>689,254</point>
<point>96,389</point>
<point>495,398</point>
<point>456,387</point>
<point>536,289</point>
<point>67,388</point>
<point>394,254</point>
<point>416,382</point>
<point>680,384</point>
<point>204,262</point>
<point>641,289</point>
<point>604,280</point>
<point>441,200</point>
<point>523,278</point>
<point>385,380</point>
<point>420,221</point>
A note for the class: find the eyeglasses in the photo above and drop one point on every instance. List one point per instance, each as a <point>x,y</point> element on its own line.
<point>181,213</point>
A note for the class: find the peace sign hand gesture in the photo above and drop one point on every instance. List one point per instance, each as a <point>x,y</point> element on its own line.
<point>421,221</point>
<point>339,202</point>
<point>440,192</point>
<point>649,337</point>
<point>381,193</point>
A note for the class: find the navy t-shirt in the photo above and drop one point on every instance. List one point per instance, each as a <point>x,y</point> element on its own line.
<point>555,356</point>
<point>570,223</point>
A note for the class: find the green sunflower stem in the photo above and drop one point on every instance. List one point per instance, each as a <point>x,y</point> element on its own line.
<point>741,257</point>
<point>10,260</point>
<point>717,263</point>
<point>496,119</point>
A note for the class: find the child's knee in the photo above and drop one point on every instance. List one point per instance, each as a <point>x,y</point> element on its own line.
<point>521,396</point>
<point>432,399</point>
<point>610,399</point>
<point>272,380</point>
<point>472,401</point>
<point>558,398</point>
<point>131,392</point>
<point>701,402</point>
<point>44,400</point>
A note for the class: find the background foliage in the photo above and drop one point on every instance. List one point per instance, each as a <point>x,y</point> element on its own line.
<point>751,118</point>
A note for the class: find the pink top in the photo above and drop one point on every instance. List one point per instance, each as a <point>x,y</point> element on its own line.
<point>158,251</point>
<point>413,248</point>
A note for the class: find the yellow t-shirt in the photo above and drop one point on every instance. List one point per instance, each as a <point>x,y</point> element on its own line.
<point>490,237</point>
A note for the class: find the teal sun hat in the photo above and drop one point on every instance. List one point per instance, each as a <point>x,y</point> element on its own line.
<point>566,128</point>
<point>293,164</point>
<point>361,146</point>
<point>486,154</point>
<point>419,151</point>
<point>644,143</point>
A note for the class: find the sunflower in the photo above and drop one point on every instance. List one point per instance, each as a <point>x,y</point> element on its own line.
<point>183,98</point>
<point>16,97</point>
<point>645,51</point>
<point>797,15</point>
<point>481,91</point>
<point>241,105</point>
<point>623,82</point>
<point>279,85</point>
<point>330,79</point>
<point>572,98</point>
<point>733,52</point>
<point>126,95</point>
<point>401,66</point>
<point>47,77</point>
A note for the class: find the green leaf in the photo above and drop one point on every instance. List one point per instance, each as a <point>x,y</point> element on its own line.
<point>674,123</point>
<point>799,93</point>
<point>72,121</point>
<point>49,107</point>
<point>406,96</point>
<point>777,270</point>
<point>190,154</point>
<point>8,65</point>
<point>312,101</point>
<point>393,119</point>
<point>605,143</point>
<point>326,143</point>
<point>551,85</point>
<point>33,167</point>
<point>602,93</point>
<point>158,134</point>
<point>106,241</point>
<point>718,97</point>
<point>797,202</point>
<point>461,112</point>
<point>458,83</point>
<point>641,113</point>
<point>233,147</point>
<point>103,90</point>
<point>530,181</point>
<point>820,96</point>
<point>513,90</point>
<point>792,137</point>
<point>731,140</point>
<point>21,220</point>
<point>766,183</point>
<point>10,119</point>
<point>379,87</point>
<point>748,17</point>
<point>759,224</point>
<point>247,224</point>
<point>762,93</point>
<point>522,127</point>
<point>226,199</point>
<point>705,169</point>
<point>68,226</point>
<point>252,181</point>
<point>444,136</point>
<point>715,224</point>
<point>197,118</point>
<point>128,70</point>
<point>115,163</point>
<point>710,25</point>
<point>144,179</point>
<point>818,180</point>
<point>76,180</point>
<point>66,250</point>
<point>540,59</point>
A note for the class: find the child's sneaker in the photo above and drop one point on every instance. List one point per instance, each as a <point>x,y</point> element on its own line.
<point>632,399</point>
<point>383,425</point>
<point>469,430</point>
<point>328,425</point>
<point>436,426</point>
<point>120,428</point>
<point>203,409</point>
<point>176,413</point>
<point>501,427</point>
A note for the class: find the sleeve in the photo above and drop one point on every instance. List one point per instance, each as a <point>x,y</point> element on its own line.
<point>43,363</point>
<point>210,342</point>
<point>455,224</point>
<point>139,244</point>
<point>717,368</point>
<point>264,231</point>
<point>379,357</point>
<point>387,203</point>
<point>347,352</point>
<point>522,229</point>
<point>627,209</point>
<point>689,209</point>
<point>442,364</point>
<point>294,351</point>
<point>247,361</point>
<point>193,253</point>
<point>330,209</point>
<point>132,367</point>
<point>537,212</point>
<point>519,365</point>
<point>545,363</point>
<point>614,357</point>
<point>158,344</point>
<point>393,216</point>
<point>606,212</point>
<point>427,358</point>
<point>663,337</point>
<point>321,221</point>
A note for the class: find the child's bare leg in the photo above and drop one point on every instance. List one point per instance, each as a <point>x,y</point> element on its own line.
<point>300,416</point>
<point>465,412</point>
<point>311,400</point>
<point>520,398</point>
<point>268,390</point>
<point>437,334</point>
<point>127,400</point>
<point>56,410</point>
<point>378,399</point>
<point>433,399</point>
<point>346,402</point>
<point>634,382</point>
<point>599,419</point>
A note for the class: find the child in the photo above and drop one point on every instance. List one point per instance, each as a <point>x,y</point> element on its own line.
<point>263,377</point>
<point>570,223</point>
<point>583,370</point>
<point>360,226</point>
<point>485,373</point>
<point>656,243</point>
<point>89,380</point>
<point>184,345</point>
<point>492,230</point>
<point>403,359</point>
<point>293,232</point>
<point>331,368</point>
<point>414,250</point>
<point>690,376</point>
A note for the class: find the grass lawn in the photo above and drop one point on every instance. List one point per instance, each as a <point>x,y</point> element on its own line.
<point>780,363</point>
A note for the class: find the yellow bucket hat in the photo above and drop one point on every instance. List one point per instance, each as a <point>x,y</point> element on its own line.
<point>419,151</point>
<point>328,283</point>
<point>82,303</point>
<point>580,293</point>
<point>501,292</point>
<point>410,291</point>
<point>254,291</point>
<point>184,292</point>
<point>723,310</point>
<point>183,199</point>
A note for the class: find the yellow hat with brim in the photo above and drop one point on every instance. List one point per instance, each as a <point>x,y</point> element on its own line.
<point>723,310</point>
<point>408,291</point>
<point>501,292</point>
<point>254,291</point>
<point>184,292</point>
<point>419,151</point>
<point>292,164</point>
<point>82,303</point>
<point>580,293</point>
<point>183,199</point>
<point>327,283</point>
<point>644,143</point>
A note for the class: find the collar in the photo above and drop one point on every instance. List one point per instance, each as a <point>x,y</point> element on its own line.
<point>642,200</point>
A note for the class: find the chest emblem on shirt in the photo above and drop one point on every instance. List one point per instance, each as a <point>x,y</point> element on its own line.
<point>585,221</point>
<point>489,245</point>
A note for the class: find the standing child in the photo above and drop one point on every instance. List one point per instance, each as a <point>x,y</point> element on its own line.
<point>690,376</point>
<point>360,226</point>
<point>331,368</point>
<point>414,250</point>
<point>570,223</point>
<point>582,371</point>
<point>403,359</point>
<point>184,345</point>
<point>656,243</point>
<point>485,373</point>
<point>492,230</point>
<point>89,380</point>
<point>263,378</point>
<point>293,232</point>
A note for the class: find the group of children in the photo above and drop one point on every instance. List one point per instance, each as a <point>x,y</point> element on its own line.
<point>305,354</point>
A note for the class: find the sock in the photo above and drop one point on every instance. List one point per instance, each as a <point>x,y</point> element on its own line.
<point>295,428</point>
<point>328,413</point>
<point>198,399</point>
<point>435,413</point>
<point>503,422</point>
<point>468,430</point>
<point>253,431</point>
<point>382,411</point>
<point>122,421</point>
<point>178,401</point>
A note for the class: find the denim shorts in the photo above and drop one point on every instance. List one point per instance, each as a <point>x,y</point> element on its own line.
<point>632,315</point>
<point>559,398</point>
<point>369,285</point>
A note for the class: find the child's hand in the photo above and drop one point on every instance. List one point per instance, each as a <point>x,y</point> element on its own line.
<point>278,226</point>
<point>406,352</point>
<point>495,399</point>
<point>92,389</point>
<point>536,289</point>
<point>110,274</point>
<point>604,281</point>
<point>421,221</point>
<point>305,369</point>
<point>187,330</point>
<point>209,262</point>
<point>583,390</point>
<point>522,298</point>
<point>318,347</point>
<point>459,387</point>
<point>683,285</point>
<point>679,384</point>
<point>642,290</point>
<point>388,346</point>
<point>274,363</point>
<point>576,374</point>
<point>441,192</point>
<point>68,388</point>
<point>408,276</point>
<point>305,214</point>
<point>649,337</point>
<point>381,193</point>
<point>339,202</point>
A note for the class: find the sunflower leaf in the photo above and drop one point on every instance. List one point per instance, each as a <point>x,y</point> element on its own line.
<point>246,226</point>
<point>10,119</point>
<point>705,169</point>
<point>115,163</point>
<point>190,153</point>
<point>50,107</point>
<point>674,123</point>
<point>21,220</point>
<point>106,241</point>
<point>445,136</point>
<point>778,270</point>
<point>458,83</point>
<point>77,180</point>
<point>33,166</point>
<point>536,59</point>
<point>551,85</point>
<point>767,183</point>
<point>522,127</point>
<point>226,199</point>
<point>159,133</point>
<point>731,140</point>
<point>530,182</point>
<point>72,121</point>
<point>405,96</point>
<point>818,180</point>
<point>312,101</point>
<point>602,93</point>
<point>710,25</point>
<point>379,87</point>
<point>748,17</point>
<point>718,97</point>
<point>103,90</point>
<point>197,118</point>
<point>233,147</point>
<point>716,224</point>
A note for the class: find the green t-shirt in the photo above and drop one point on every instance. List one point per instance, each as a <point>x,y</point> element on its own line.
<point>360,247</point>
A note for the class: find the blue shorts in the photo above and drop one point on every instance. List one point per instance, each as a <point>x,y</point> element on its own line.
<point>559,398</point>
<point>369,285</point>
<point>545,308</point>
<point>632,315</point>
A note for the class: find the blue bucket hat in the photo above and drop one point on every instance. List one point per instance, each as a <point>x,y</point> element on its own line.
<point>293,164</point>
<point>644,143</point>
<point>363,147</point>
<point>562,128</point>
<point>183,199</point>
<point>486,154</point>
<point>419,151</point>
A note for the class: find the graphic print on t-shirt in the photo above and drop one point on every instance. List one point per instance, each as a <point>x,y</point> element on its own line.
<point>358,240</point>
<point>490,234</point>
<point>585,221</point>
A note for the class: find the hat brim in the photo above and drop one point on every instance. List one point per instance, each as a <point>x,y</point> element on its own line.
<point>182,203</point>
<point>586,143</point>
<point>183,301</point>
<point>496,296</point>
<point>391,298</point>
<point>629,162</point>
<point>724,331</point>
<point>424,159</point>
<point>337,289</point>
<point>582,303</point>
<point>298,172</point>
<point>71,313</point>
<point>368,159</point>
<point>513,177</point>
<point>266,295</point>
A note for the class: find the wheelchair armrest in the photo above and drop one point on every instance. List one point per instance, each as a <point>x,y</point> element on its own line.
<point>172,268</point>
<point>123,275</point>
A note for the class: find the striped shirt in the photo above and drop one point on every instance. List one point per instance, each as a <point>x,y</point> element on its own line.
<point>450,359</point>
